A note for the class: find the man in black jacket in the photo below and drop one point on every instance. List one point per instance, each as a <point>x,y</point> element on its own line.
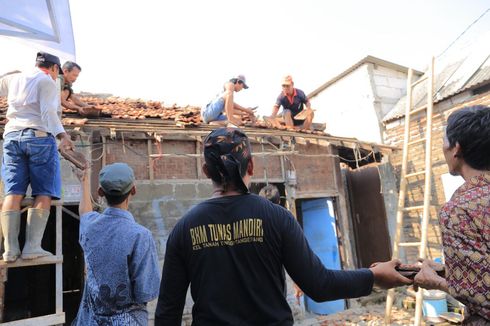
<point>232,248</point>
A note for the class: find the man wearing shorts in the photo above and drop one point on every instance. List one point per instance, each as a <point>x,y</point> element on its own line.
<point>30,154</point>
<point>222,110</point>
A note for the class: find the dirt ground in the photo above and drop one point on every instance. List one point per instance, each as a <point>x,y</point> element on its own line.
<point>369,315</point>
<point>369,311</point>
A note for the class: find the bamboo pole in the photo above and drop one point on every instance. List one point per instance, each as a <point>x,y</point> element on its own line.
<point>427,187</point>
<point>401,196</point>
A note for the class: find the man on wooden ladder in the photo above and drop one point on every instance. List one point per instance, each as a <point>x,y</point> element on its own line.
<point>30,155</point>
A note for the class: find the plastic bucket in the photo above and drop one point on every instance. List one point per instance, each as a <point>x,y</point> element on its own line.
<point>434,303</point>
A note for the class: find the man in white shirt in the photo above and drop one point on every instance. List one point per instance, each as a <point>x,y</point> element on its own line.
<point>30,153</point>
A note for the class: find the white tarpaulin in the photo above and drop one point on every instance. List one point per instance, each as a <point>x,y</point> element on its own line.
<point>39,25</point>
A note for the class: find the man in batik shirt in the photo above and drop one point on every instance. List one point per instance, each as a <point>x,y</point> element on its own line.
<point>120,255</point>
<point>465,219</point>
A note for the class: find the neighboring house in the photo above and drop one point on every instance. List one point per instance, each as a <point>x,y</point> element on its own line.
<point>354,103</point>
<point>462,78</point>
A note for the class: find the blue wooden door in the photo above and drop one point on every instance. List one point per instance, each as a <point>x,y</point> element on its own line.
<point>319,229</point>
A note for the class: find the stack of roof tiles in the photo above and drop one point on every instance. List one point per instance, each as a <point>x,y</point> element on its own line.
<point>117,108</point>
<point>131,109</point>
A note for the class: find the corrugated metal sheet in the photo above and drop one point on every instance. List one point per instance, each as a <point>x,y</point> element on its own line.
<point>466,66</point>
<point>481,76</point>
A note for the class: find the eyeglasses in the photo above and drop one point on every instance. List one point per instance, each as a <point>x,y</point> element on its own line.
<point>285,86</point>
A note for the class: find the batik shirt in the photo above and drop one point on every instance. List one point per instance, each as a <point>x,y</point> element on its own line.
<point>122,269</point>
<point>465,223</point>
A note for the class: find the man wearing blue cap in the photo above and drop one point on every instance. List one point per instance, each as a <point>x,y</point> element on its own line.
<point>120,255</point>
<point>30,156</point>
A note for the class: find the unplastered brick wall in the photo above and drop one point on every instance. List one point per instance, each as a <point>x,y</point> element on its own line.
<point>394,134</point>
<point>314,168</point>
<point>415,186</point>
<point>266,166</point>
<point>134,152</point>
<point>181,167</point>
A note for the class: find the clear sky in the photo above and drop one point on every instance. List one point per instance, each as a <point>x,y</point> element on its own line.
<point>182,51</point>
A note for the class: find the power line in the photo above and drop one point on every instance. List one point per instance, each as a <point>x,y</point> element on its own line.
<point>467,28</point>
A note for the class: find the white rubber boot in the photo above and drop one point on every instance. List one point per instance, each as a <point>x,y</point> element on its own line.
<point>36,223</point>
<point>10,221</point>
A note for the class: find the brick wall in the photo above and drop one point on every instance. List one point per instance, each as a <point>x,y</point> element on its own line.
<point>160,203</point>
<point>314,173</point>
<point>134,152</point>
<point>175,167</point>
<point>266,167</point>
<point>394,133</point>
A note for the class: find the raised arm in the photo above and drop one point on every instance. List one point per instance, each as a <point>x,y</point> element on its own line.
<point>85,204</point>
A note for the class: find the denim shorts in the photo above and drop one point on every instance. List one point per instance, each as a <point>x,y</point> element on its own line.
<point>214,111</point>
<point>28,159</point>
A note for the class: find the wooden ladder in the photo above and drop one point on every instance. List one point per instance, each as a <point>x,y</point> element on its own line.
<point>58,318</point>
<point>404,206</point>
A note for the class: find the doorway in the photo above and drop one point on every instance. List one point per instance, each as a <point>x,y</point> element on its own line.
<point>319,226</point>
<point>370,225</point>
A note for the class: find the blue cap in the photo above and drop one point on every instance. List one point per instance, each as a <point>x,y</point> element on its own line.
<point>116,179</point>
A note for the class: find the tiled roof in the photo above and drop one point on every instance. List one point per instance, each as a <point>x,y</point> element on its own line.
<point>135,109</point>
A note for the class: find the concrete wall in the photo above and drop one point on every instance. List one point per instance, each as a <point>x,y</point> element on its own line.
<point>347,107</point>
<point>389,86</point>
<point>355,105</point>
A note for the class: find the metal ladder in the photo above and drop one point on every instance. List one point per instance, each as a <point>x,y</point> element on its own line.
<point>58,318</point>
<point>405,180</point>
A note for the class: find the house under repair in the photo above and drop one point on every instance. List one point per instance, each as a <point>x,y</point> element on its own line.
<point>324,180</point>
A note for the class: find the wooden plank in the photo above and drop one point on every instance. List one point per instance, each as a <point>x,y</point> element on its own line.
<point>59,266</point>
<point>344,223</point>
<point>151,170</point>
<point>29,201</point>
<point>277,153</point>
<point>3,279</point>
<point>198,158</point>
<point>104,151</point>
<point>418,81</point>
<point>307,195</point>
<point>32,262</point>
<point>401,193</point>
<point>170,130</point>
<point>48,320</point>
<point>427,186</point>
<point>270,180</point>
<point>67,211</point>
<point>282,159</point>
